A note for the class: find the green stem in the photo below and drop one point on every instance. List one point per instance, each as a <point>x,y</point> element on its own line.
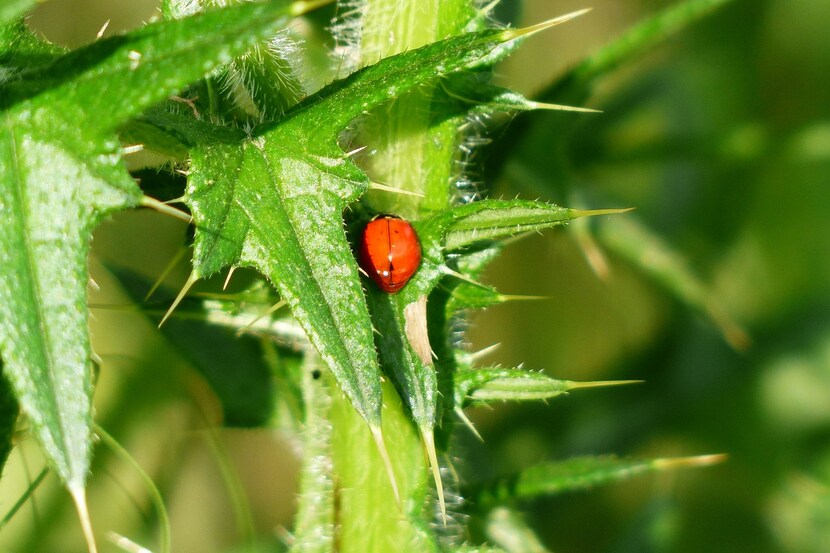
<point>412,152</point>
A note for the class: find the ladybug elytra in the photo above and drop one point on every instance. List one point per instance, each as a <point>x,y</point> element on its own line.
<point>390,252</point>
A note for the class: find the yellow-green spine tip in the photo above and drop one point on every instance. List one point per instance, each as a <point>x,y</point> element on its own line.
<point>690,462</point>
<point>377,434</point>
<point>602,383</point>
<point>162,207</point>
<point>429,444</point>
<point>79,498</point>
<point>191,280</point>
<point>512,34</point>
<point>577,213</point>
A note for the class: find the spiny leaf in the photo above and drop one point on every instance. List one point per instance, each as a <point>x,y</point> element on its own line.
<point>251,209</point>
<point>493,219</point>
<point>50,203</point>
<point>276,203</point>
<point>575,87</point>
<point>147,64</point>
<point>584,472</point>
<point>172,134</point>
<point>60,175</point>
<point>21,54</point>
<point>494,383</point>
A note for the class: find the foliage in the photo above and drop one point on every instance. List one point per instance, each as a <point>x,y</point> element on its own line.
<point>220,107</point>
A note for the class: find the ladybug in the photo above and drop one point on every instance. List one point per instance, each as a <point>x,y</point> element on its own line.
<point>390,252</point>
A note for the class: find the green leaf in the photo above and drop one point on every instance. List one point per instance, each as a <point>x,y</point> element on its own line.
<point>251,209</point>
<point>60,175</point>
<point>499,384</point>
<point>50,202</point>
<point>494,219</point>
<point>172,134</point>
<point>21,54</point>
<point>148,64</point>
<point>276,204</point>
<point>584,472</point>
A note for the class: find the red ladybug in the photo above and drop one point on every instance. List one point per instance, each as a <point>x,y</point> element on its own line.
<point>390,252</point>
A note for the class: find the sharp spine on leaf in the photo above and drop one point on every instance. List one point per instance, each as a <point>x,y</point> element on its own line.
<point>161,207</point>
<point>429,444</point>
<point>512,34</point>
<point>377,434</point>
<point>191,280</point>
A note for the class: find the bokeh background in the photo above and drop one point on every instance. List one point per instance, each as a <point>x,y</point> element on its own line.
<point>720,138</point>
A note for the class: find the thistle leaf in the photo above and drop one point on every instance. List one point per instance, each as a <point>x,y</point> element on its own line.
<point>60,175</point>
<point>584,472</point>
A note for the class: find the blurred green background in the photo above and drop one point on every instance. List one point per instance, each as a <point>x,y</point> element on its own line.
<point>720,138</point>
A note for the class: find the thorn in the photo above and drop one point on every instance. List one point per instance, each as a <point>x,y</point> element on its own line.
<point>134,149</point>
<point>172,263</point>
<point>179,200</point>
<point>512,34</point>
<point>477,355</point>
<point>695,461</point>
<point>575,213</point>
<point>79,497</point>
<point>560,107</point>
<point>429,443</point>
<point>228,278</point>
<point>270,310</point>
<point>517,297</point>
<point>377,434</point>
<point>489,7</point>
<point>387,188</point>
<point>102,30</point>
<point>356,151</point>
<point>447,271</point>
<point>593,253</point>
<point>191,280</point>
<point>153,203</point>
<point>459,412</point>
<point>602,383</point>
